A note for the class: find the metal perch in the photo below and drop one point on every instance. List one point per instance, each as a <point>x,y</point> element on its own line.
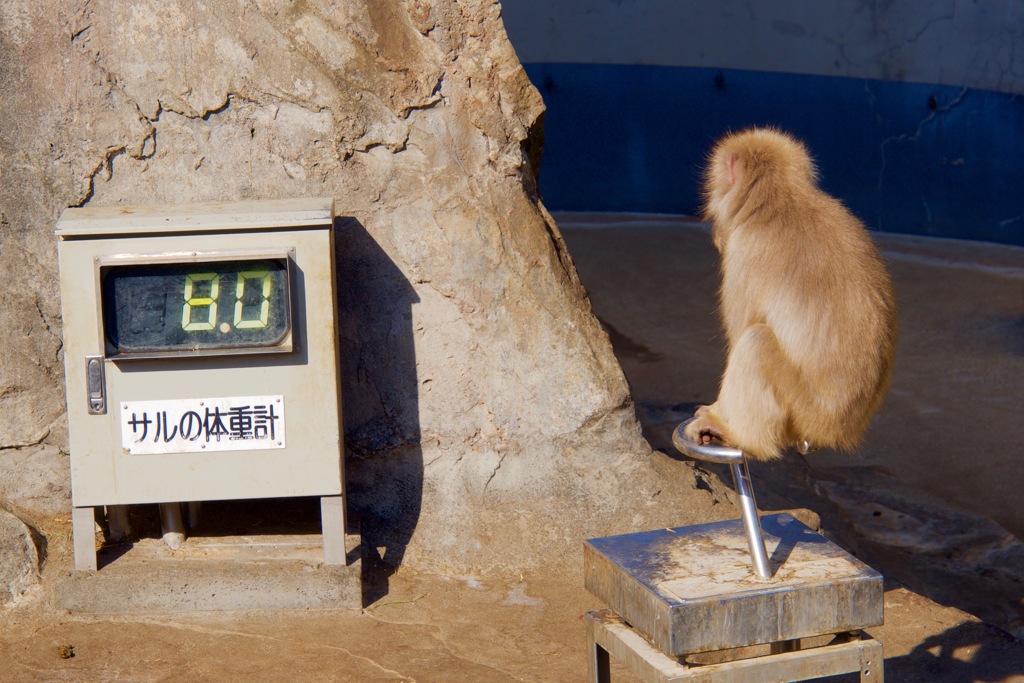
<point>734,458</point>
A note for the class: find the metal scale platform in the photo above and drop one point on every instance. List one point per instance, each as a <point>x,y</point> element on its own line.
<point>674,593</point>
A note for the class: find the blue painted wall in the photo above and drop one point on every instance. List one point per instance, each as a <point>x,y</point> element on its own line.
<point>905,157</point>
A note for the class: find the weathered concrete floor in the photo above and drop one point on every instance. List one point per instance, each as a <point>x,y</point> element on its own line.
<point>426,628</point>
<point>654,287</point>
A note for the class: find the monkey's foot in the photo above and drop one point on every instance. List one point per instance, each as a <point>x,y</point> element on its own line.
<point>702,430</point>
<point>709,436</point>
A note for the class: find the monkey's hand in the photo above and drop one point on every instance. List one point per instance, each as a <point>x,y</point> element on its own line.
<point>705,428</point>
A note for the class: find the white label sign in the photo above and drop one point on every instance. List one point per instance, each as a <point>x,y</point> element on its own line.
<point>202,424</point>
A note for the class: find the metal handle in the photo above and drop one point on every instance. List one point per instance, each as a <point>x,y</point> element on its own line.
<point>725,455</point>
<point>96,385</point>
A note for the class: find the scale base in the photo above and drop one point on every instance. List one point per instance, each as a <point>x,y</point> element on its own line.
<point>221,572</point>
<point>692,589</point>
<point>216,574</point>
<point>608,634</point>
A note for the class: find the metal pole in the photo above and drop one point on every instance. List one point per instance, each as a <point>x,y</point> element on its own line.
<point>748,505</point>
<point>119,523</point>
<point>751,521</point>
<point>172,525</point>
<point>733,457</point>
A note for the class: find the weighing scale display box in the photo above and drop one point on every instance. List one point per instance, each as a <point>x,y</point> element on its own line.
<point>201,356</point>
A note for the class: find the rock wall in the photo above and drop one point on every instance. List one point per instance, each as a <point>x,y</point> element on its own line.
<point>487,421</point>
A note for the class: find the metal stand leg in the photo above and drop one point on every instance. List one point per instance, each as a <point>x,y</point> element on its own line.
<point>608,634</point>
<point>751,521</point>
<point>193,511</point>
<point>171,525</point>
<point>599,665</point>
<point>119,525</point>
<point>332,524</point>
<point>83,532</point>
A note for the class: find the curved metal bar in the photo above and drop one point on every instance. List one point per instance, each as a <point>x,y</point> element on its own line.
<point>720,453</point>
<point>744,489</point>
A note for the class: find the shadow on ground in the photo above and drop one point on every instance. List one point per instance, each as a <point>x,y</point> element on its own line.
<point>967,653</point>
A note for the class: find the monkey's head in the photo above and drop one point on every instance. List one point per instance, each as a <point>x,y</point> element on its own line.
<point>747,168</point>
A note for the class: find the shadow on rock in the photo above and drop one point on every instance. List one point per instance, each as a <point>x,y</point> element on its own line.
<point>380,406</point>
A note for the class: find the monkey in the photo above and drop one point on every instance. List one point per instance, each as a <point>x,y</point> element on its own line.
<point>807,305</point>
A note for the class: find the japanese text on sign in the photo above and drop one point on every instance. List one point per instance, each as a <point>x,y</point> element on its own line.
<point>202,424</point>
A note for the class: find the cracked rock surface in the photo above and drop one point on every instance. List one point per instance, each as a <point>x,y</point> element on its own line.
<point>19,559</point>
<point>484,410</point>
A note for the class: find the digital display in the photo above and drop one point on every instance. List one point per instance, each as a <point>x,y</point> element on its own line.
<point>209,306</point>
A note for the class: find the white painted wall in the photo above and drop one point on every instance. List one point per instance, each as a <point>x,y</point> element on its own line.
<point>978,44</point>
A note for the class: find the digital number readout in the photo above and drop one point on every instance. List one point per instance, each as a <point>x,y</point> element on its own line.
<point>195,307</point>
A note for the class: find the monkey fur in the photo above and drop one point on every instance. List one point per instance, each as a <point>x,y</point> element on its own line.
<point>807,305</point>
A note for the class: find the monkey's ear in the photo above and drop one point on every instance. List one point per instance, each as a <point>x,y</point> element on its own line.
<point>734,168</point>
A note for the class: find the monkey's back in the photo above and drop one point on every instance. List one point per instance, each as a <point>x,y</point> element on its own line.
<point>810,271</point>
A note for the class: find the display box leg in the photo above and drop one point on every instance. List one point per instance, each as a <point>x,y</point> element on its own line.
<point>332,523</point>
<point>193,511</point>
<point>172,525</point>
<point>83,533</point>
<point>119,523</point>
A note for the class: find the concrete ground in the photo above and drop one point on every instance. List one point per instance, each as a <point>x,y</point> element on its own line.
<point>652,282</point>
<point>424,628</point>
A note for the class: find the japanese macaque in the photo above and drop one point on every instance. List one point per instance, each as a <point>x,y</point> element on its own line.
<point>807,305</point>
